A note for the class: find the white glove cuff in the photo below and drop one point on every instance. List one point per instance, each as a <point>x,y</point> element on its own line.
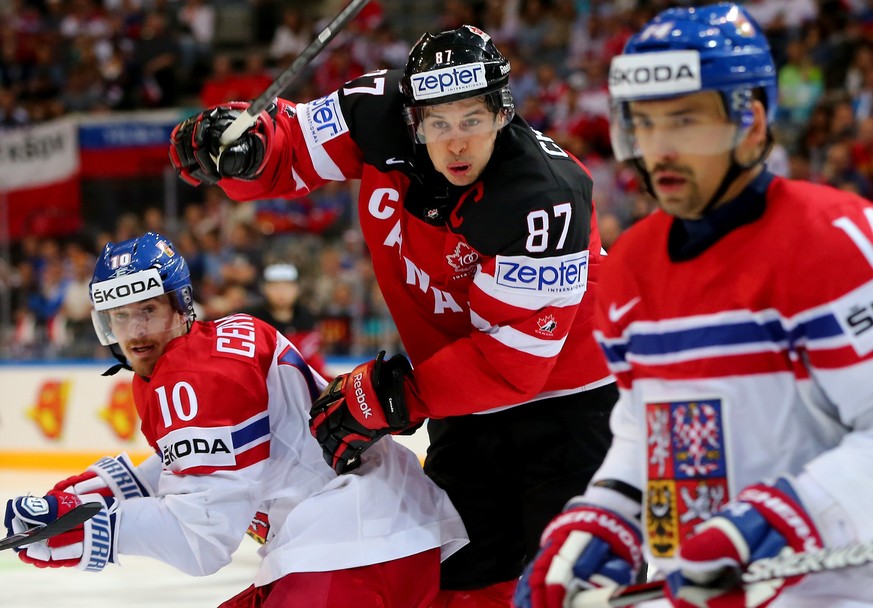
<point>121,477</point>
<point>100,541</point>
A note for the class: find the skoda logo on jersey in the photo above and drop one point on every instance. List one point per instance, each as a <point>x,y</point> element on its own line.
<point>191,447</point>
<point>449,81</point>
<point>322,119</point>
<point>549,276</point>
<point>127,289</point>
<point>647,74</point>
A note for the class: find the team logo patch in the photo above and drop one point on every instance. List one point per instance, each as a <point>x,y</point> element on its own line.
<point>546,325</point>
<point>322,120</point>
<point>687,470</point>
<point>463,260</point>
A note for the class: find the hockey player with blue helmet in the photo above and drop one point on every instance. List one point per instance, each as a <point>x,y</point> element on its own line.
<point>745,420</point>
<point>224,405</point>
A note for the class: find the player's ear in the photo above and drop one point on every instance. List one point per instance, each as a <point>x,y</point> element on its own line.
<point>755,139</point>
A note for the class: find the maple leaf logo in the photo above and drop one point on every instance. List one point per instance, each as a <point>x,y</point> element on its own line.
<point>546,325</point>
<point>463,259</point>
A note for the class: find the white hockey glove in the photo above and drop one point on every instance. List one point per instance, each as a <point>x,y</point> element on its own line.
<point>109,477</point>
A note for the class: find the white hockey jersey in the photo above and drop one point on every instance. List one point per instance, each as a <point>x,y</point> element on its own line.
<point>227,412</point>
<point>750,359</point>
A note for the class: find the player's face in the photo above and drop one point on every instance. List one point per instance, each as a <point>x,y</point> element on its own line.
<point>144,329</point>
<point>460,138</point>
<point>686,145</point>
<point>281,294</point>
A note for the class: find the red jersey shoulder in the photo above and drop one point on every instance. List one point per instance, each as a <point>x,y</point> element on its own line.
<point>821,229</point>
<point>222,365</point>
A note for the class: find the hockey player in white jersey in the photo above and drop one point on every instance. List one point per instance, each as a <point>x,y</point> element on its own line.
<point>738,319</point>
<point>225,405</point>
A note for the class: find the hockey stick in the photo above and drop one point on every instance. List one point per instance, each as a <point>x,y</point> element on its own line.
<point>765,569</point>
<point>62,524</point>
<point>291,73</point>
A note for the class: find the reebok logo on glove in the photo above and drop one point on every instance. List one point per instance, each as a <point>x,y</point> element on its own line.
<point>360,397</point>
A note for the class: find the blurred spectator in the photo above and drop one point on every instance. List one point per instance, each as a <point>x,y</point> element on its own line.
<point>337,68</point>
<point>155,56</point>
<point>840,172</point>
<point>800,85</point>
<point>282,308</point>
<point>610,229</point>
<point>222,83</point>
<point>291,36</point>
<point>254,78</point>
<point>76,332</point>
<point>197,19</point>
<point>12,112</point>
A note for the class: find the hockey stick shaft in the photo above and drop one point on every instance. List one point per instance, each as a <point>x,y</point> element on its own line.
<point>62,524</point>
<point>765,569</point>
<point>291,73</point>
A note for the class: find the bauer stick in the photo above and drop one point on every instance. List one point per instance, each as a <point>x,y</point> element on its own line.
<point>291,73</point>
<point>765,569</point>
<point>75,517</point>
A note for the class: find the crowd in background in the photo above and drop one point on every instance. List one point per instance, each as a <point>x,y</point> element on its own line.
<point>66,56</point>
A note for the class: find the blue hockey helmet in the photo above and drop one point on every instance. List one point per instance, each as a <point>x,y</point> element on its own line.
<point>681,51</point>
<point>135,270</point>
<point>453,65</point>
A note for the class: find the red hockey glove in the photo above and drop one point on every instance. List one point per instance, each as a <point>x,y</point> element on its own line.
<point>763,521</point>
<point>584,547</point>
<point>109,477</point>
<point>195,145</point>
<point>89,546</point>
<point>357,409</point>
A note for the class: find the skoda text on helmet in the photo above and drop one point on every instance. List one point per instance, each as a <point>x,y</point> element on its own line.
<point>136,270</point>
<point>688,50</point>
<point>453,65</point>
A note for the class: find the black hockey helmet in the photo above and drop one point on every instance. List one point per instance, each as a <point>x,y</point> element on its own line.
<point>453,65</point>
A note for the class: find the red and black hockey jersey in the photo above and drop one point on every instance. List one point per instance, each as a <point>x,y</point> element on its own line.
<point>494,304</point>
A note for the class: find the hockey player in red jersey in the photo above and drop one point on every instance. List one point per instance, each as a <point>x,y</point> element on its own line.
<point>738,321</point>
<point>484,242</point>
<point>225,405</point>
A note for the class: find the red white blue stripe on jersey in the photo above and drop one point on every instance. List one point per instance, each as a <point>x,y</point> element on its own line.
<point>291,357</point>
<point>765,334</point>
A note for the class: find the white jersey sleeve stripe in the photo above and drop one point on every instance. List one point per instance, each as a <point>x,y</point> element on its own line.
<point>309,119</point>
<point>518,340</point>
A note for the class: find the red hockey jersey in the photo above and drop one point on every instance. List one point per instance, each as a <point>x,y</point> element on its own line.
<point>493,305</point>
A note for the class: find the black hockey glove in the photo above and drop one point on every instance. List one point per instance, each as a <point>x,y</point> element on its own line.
<point>195,145</point>
<point>359,408</point>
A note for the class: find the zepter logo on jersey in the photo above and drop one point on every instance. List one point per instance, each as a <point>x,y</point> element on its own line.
<point>127,289</point>
<point>448,81</point>
<point>322,120</point>
<point>653,74</point>
<point>566,274</point>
